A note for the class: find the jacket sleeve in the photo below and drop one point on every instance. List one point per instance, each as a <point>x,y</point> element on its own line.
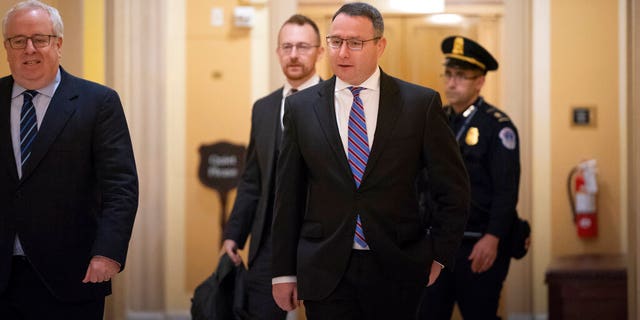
<point>291,188</point>
<point>504,166</point>
<point>117,177</point>
<point>448,184</point>
<point>244,209</point>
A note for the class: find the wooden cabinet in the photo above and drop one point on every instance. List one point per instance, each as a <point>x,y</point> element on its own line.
<point>587,287</point>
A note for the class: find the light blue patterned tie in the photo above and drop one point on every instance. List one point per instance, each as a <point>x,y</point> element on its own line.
<point>358,151</point>
<point>28,125</point>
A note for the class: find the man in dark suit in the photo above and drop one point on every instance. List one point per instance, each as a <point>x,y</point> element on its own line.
<point>68,182</point>
<point>348,237</point>
<point>298,50</point>
<point>491,152</point>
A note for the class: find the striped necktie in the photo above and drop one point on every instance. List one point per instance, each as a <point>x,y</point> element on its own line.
<point>358,152</point>
<point>28,126</point>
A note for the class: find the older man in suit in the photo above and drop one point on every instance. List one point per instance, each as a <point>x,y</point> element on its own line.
<point>348,238</point>
<point>68,182</point>
<point>298,51</point>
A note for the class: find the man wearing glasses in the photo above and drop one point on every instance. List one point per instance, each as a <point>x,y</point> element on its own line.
<point>348,236</point>
<point>298,51</point>
<point>68,182</point>
<point>489,144</point>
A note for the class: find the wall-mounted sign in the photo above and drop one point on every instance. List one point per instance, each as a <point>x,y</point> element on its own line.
<point>583,116</point>
<point>221,166</point>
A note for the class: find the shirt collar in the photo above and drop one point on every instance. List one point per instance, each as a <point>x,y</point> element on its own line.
<point>309,83</point>
<point>47,91</point>
<point>371,84</point>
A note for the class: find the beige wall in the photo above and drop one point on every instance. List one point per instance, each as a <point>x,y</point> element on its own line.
<point>4,66</point>
<point>584,72</point>
<point>575,55</point>
<point>218,108</point>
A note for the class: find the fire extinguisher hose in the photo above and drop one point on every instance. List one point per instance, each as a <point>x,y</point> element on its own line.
<point>572,194</point>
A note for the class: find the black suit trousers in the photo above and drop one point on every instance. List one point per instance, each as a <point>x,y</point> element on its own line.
<point>260,303</point>
<point>28,298</point>
<point>366,293</point>
<point>477,294</point>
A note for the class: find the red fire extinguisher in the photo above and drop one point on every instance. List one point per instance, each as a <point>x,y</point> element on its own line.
<point>583,189</point>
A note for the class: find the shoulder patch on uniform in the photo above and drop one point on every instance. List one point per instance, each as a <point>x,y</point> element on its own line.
<point>508,138</point>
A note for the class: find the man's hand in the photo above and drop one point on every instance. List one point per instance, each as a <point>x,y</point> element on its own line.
<point>101,269</point>
<point>231,248</point>
<point>286,295</point>
<point>436,268</point>
<point>484,253</point>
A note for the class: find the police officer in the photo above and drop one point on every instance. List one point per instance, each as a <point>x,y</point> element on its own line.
<point>489,145</point>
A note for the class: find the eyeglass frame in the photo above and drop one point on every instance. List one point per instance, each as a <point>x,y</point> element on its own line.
<point>301,47</point>
<point>359,44</point>
<point>458,77</point>
<point>26,41</point>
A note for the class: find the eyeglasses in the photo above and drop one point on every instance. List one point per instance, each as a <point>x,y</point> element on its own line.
<point>352,44</point>
<point>457,77</point>
<point>302,48</point>
<point>38,41</point>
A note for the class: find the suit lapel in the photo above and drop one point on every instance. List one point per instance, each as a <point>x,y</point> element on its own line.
<point>6,144</point>
<point>389,109</point>
<point>61,107</point>
<point>325,110</point>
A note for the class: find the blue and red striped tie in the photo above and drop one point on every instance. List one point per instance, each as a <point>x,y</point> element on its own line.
<point>358,151</point>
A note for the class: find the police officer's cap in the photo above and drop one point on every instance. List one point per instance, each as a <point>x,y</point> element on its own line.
<point>467,54</point>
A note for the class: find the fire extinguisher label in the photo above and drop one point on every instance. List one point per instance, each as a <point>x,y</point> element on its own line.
<point>585,223</point>
<point>585,203</point>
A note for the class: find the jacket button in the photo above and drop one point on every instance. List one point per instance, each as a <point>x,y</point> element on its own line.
<point>18,194</point>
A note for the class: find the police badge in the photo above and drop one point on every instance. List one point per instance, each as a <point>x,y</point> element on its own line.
<point>472,136</point>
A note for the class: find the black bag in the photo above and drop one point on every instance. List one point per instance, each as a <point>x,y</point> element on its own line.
<point>520,231</point>
<point>221,296</point>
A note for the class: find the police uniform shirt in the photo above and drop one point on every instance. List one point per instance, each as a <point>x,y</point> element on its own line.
<point>491,151</point>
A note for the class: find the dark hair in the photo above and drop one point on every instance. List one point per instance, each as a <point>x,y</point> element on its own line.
<point>361,9</point>
<point>301,20</point>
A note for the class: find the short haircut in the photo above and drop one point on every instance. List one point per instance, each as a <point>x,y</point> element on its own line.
<point>54,16</point>
<point>361,9</point>
<point>301,20</point>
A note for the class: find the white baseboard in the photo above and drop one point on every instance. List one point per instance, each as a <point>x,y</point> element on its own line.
<point>527,316</point>
<point>172,315</point>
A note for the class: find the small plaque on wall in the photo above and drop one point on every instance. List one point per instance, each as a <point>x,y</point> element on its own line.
<point>583,116</point>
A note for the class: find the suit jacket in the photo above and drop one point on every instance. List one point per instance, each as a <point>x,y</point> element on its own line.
<point>78,194</point>
<point>249,214</point>
<point>317,200</point>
